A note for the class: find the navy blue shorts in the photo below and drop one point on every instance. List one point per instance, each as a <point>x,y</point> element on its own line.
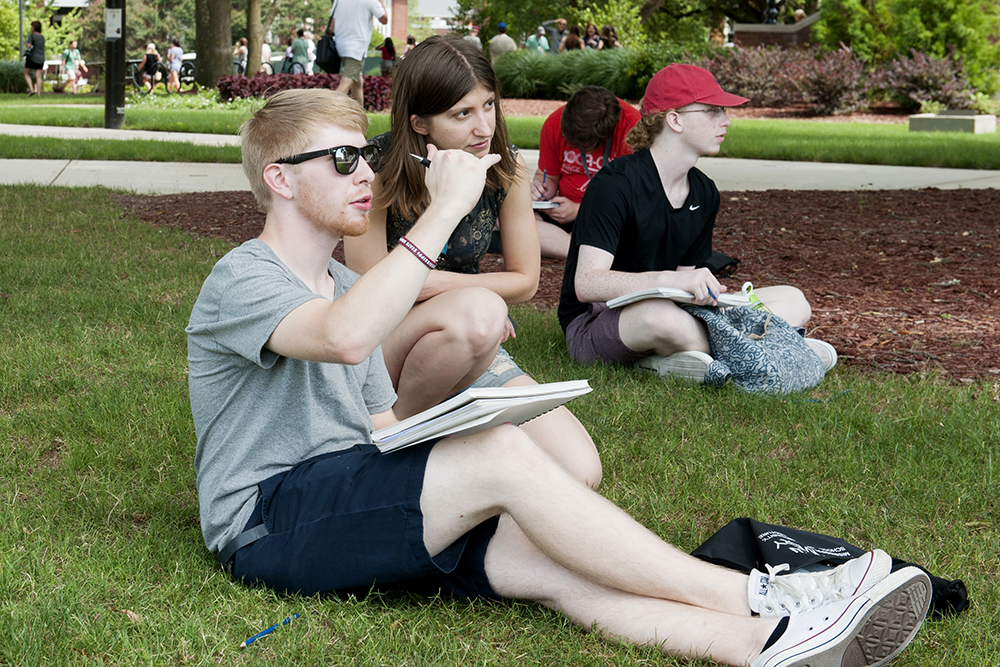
<point>349,523</point>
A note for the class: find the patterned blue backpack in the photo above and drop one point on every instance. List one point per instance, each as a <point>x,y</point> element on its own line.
<point>758,351</point>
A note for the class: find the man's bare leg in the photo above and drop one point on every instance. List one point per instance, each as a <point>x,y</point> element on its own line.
<point>469,479</point>
<point>662,326</point>
<point>517,569</point>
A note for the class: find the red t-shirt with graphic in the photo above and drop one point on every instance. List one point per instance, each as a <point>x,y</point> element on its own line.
<point>563,160</point>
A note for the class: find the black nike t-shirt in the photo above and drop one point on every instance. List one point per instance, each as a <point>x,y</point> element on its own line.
<point>625,212</point>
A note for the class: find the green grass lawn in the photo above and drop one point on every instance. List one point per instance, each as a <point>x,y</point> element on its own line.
<point>858,143</point>
<point>101,555</point>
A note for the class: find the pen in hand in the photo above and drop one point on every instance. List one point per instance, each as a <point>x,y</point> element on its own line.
<point>714,298</point>
<point>271,629</point>
<point>422,160</point>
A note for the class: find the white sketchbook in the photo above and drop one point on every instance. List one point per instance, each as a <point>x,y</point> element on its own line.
<point>543,205</point>
<point>725,300</point>
<point>477,410</point>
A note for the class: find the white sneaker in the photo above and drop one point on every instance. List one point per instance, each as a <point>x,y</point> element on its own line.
<point>691,365</point>
<point>864,631</point>
<point>772,596</point>
<point>826,352</point>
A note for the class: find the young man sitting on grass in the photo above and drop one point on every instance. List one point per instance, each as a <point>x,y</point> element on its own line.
<point>645,221</point>
<point>287,383</point>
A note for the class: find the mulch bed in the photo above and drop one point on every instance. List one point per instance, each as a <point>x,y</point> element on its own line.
<point>900,280</point>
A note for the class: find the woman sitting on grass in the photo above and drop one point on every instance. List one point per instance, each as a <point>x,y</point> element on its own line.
<point>445,93</point>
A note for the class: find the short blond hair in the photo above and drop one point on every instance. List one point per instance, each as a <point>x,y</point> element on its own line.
<point>286,124</point>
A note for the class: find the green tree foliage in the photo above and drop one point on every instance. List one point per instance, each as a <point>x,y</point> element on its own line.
<point>622,14</point>
<point>9,17</point>
<point>881,30</point>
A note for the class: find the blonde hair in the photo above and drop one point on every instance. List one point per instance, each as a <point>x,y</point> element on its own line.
<point>645,131</point>
<point>287,123</point>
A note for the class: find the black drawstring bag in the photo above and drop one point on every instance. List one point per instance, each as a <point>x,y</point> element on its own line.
<point>745,544</point>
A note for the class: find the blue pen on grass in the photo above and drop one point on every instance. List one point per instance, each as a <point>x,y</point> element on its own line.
<point>271,629</point>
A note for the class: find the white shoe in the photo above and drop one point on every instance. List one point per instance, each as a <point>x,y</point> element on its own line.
<point>826,352</point>
<point>864,631</point>
<point>772,595</point>
<point>690,365</point>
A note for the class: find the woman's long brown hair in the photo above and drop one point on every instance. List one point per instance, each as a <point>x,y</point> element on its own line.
<point>432,78</point>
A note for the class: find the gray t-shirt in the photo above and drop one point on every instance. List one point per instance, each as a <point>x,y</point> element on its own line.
<point>256,413</point>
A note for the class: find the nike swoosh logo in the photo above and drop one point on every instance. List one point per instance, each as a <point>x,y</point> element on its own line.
<point>692,207</point>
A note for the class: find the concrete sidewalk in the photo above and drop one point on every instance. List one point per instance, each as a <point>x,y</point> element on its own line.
<point>173,177</point>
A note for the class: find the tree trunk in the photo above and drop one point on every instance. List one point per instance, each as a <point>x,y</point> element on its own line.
<point>214,41</point>
<point>255,35</point>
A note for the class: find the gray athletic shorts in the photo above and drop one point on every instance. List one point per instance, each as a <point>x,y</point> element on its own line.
<point>501,371</point>
<point>593,336</point>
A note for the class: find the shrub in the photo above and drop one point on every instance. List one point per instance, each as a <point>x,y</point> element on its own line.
<point>922,78</point>
<point>625,72</point>
<point>12,77</point>
<point>833,81</point>
<point>377,89</point>
<point>759,74</point>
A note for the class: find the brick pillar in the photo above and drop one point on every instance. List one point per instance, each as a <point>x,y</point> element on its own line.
<point>398,20</point>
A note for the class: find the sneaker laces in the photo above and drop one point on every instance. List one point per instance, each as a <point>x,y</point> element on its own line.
<point>794,592</point>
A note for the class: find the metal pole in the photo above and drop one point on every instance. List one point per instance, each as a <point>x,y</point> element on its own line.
<point>772,12</point>
<point>20,30</point>
<point>114,68</point>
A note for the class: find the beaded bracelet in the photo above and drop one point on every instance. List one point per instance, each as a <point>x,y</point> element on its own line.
<point>427,261</point>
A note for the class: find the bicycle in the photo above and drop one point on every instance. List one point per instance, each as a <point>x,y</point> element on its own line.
<point>138,79</point>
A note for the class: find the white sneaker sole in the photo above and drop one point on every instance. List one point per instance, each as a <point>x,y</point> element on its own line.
<point>687,365</point>
<point>872,630</point>
<point>826,352</point>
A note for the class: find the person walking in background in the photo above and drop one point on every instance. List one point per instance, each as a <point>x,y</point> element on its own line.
<point>572,40</point>
<point>556,29</point>
<point>300,52</point>
<point>34,58</point>
<point>265,58</point>
<point>388,51</point>
<point>147,66</point>
<point>473,37</point>
<point>310,52</point>
<point>175,55</point>
<point>538,42</point>
<point>502,43</point>
<point>352,23</point>
<point>591,37</point>
<point>70,57</point>
<point>240,57</point>
<point>411,41</point>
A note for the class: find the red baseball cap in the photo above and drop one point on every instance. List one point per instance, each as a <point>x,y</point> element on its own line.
<point>677,85</point>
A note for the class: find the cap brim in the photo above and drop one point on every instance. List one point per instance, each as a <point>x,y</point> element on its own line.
<point>723,99</point>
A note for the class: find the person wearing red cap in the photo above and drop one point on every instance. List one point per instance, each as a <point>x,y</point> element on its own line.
<point>645,221</point>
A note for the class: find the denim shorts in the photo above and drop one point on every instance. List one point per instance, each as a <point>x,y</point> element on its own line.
<point>501,371</point>
<point>349,522</point>
<point>593,336</point>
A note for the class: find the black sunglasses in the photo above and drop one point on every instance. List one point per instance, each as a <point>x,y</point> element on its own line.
<point>345,158</point>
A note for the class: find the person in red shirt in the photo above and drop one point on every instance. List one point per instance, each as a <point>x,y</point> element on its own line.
<point>595,122</point>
